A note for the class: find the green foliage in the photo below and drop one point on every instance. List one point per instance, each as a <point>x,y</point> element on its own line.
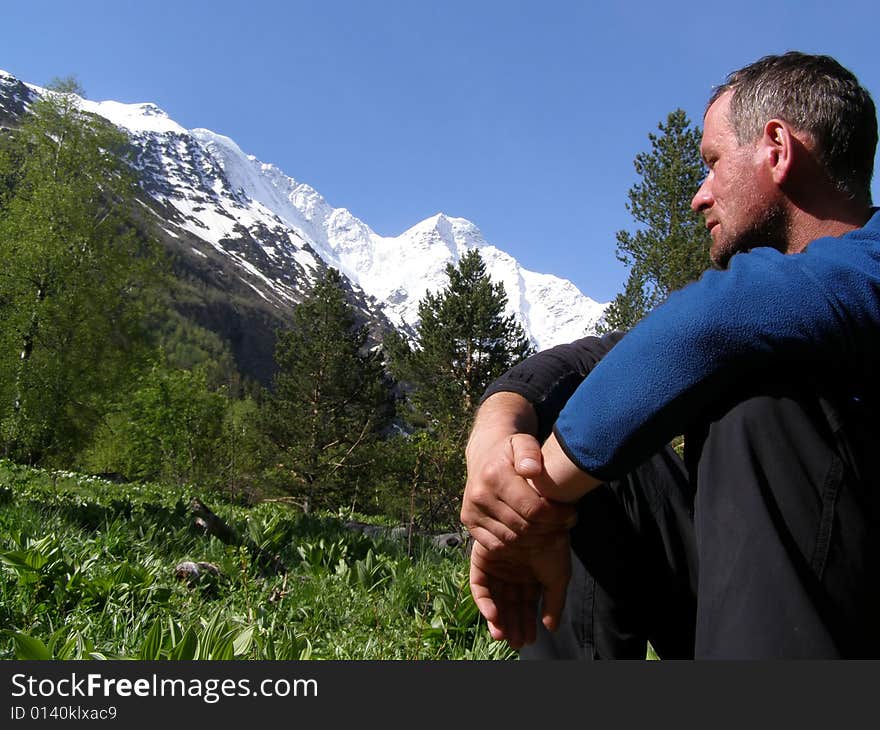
<point>419,478</point>
<point>187,346</point>
<point>671,247</point>
<point>242,452</point>
<point>74,269</point>
<point>331,400</point>
<point>323,554</point>
<point>61,645</point>
<point>87,573</point>
<point>628,307</point>
<point>216,638</point>
<point>170,428</point>
<point>452,615</point>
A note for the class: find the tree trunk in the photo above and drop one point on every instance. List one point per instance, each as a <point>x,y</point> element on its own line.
<point>27,348</point>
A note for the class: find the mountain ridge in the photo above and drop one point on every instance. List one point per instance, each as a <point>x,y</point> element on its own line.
<point>277,231</point>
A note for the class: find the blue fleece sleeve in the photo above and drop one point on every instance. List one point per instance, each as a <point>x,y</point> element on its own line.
<point>548,378</point>
<point>806,312</point>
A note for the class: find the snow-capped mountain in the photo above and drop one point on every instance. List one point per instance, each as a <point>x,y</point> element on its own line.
<point>215,199</point>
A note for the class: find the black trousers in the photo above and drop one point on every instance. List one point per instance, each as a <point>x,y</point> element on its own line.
<point>762,543</point>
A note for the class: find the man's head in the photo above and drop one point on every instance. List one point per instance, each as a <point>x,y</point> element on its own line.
<point>774,126</point>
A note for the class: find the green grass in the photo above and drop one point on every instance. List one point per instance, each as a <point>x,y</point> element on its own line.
<point>87,571</point>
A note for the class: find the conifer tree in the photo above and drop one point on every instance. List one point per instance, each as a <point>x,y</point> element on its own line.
<point>73,271</point>
<point>331,399</point>
<point>671,248</point>
<point>463,342</point>
<point>628,307</point>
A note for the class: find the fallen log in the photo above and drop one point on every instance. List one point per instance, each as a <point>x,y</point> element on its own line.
<point>214,525</point>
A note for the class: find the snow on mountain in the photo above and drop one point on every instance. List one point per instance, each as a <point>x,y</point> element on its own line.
<point>397,271</point>
<point>223,196</point>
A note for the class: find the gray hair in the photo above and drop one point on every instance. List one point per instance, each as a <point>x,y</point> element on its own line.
<point>816,95</point>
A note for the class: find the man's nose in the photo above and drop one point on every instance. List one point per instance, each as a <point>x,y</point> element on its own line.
<point>703,198</point>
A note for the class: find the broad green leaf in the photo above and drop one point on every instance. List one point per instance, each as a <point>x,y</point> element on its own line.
<point>29,647</point>
<point>24,560</point>
<point>175,632</point>
<point>223,648</point>
<point>243,642</point>
<point>152,646</point>
<point>187,647</point>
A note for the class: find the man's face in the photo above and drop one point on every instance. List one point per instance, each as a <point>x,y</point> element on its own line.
<point>737,197</point>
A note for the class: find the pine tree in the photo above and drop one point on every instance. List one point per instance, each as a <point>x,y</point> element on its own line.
<point>73,269</point>
<point>331,399</point>
<point>671,248</point>
<point>463,342</point>
<point>628,307</point>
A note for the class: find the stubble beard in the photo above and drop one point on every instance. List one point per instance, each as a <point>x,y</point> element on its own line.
<point>770,229</point>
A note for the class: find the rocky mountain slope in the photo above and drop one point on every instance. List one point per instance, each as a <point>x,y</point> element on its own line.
<point>250,237</point>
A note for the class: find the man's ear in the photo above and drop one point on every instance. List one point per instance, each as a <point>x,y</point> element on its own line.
<point>779,146</point>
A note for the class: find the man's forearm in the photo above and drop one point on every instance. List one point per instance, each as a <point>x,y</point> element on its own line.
<point>562,480</point>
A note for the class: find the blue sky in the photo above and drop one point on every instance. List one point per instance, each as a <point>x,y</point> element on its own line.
<point>523,117</point>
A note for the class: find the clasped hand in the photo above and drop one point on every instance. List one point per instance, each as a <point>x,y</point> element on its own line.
<point>520,557</point>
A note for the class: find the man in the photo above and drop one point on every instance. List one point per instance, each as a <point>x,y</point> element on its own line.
<point>763,543</point>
